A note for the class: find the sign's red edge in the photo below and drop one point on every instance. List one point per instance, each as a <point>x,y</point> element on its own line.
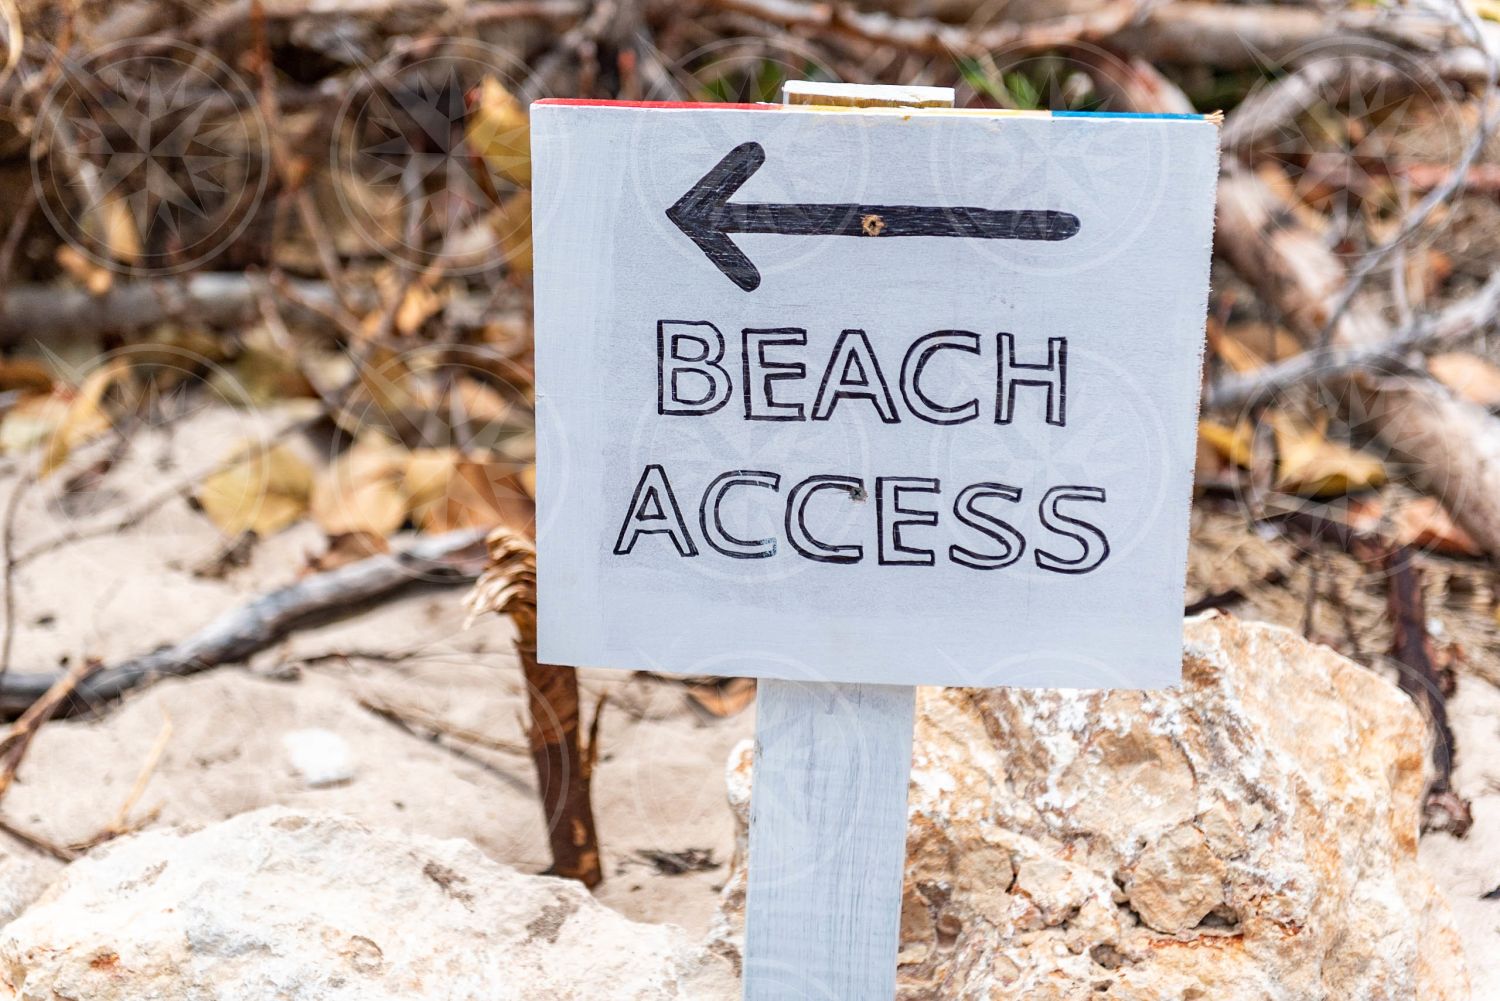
<point>585,102</point>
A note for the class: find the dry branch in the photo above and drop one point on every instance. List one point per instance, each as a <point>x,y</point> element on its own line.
<point>222,299</point>
<point>17,742</point>
<point>1426,335</point>
<point>1224,36</point>
<point>564,766</point>
<point>1411,648</point>
<point>931,37</point>
<point>1235,37</point>
<point>253,627</point>
<point>1454,446</point>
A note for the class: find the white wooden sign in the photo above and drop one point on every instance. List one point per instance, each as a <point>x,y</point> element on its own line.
<point>868,395</point>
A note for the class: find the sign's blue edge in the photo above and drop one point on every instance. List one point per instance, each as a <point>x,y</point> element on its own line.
<point>1124,114</point>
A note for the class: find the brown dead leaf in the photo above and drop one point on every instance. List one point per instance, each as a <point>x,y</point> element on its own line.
<point>1234,445</point>
<point>261,490</point>
<point>477,494</point>
<point>1469,376</point>
<point>723,697</point>
<point>1245,347</point>
<point>350,547</point>
<point>24,376</point>
<point>479,402</point>
<point>1426,524</point>
<point>420,301</point>
<point>429,474</point>
<point>362,490</point>
<point>501,132</point>
<point>1310,465</point>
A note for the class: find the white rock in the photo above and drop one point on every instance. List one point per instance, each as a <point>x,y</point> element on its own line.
<point>1251,836</point>
<point>24,876</point>
<point>320,758</point>
<point>278,905</point>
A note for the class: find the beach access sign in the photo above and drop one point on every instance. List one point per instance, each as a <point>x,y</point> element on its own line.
<point>901,396</point>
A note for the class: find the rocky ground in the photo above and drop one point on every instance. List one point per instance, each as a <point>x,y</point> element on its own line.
<point>406,722</point>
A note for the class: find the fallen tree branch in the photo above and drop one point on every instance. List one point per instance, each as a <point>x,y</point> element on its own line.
<point>931,37</point>
<point>1236,37</point>
<point>1227,37</point>
<point>253,627</point>
<point>1426,335</point>
<point>221,299</point>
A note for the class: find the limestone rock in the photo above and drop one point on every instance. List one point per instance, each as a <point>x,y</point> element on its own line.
<point>1251,835</point>
<point>24,876</point>
<point>316,907</point>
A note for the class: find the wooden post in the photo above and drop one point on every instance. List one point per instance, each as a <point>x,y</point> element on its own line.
<point>828,807</point>
<point>827,840</point>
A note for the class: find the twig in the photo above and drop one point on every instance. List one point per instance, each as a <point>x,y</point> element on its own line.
<point>1425,335</point>
<point>414,717</point>
<point>38,843</point>
<point>17,742</point>
<point>12,504</point>
<point>252,627</point>
<point>13,235</point>
<point>1418,216</point>
<point>119,826</point>
<point>1411,649</point>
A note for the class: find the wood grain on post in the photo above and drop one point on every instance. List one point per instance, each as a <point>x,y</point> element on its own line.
<point>827,840</point>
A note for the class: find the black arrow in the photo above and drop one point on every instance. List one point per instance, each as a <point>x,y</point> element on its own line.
<point>707,216</point>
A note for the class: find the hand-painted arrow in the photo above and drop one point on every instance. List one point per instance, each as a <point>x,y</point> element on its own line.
<point>707,216</point>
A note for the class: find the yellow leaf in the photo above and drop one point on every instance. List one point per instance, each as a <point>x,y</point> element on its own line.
<point>85,272</point>
<point>1310,465</point>
<point>1245,347</point>
<point>362,491</point>
<point>1231,444</point>
<point>261,491</point>
<point>85,416</point>
<point>113,227</point>
<point>501,133</point>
